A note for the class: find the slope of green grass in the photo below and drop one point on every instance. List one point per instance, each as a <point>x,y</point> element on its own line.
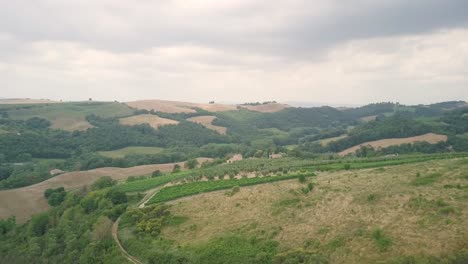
<point>182,190</point>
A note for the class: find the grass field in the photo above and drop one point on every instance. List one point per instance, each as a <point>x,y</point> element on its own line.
<point>206,121</point>
<point>121,153</point>
<point>383,143</point>
<point>152,120</point>
<point>398,214</point>
<point>70,116</point>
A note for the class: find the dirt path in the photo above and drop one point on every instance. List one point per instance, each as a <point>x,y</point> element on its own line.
<point>115,226</point>
<point>115,231</point>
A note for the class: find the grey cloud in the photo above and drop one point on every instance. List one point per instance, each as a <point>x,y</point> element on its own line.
<point>296,29</point>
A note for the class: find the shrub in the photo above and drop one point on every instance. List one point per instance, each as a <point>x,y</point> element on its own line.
<point>302,179</point>
<point>176,168</point>
<point>156,173</point>
<point>103,182</point>
<point>382,241</point>
<point>55,196</point>
<point>191,163</point>
<point>347,166</point>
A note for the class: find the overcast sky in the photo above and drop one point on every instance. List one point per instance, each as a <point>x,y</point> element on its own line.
<point>329,51</point>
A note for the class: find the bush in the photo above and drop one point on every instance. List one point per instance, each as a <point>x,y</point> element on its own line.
<point>191,163</point>
<point>176,168</point>
<point>347,166</point>
<point>55,196</point>
<point>103,182</point>
<point>302,179</point>
<point>382,241</point>
<point>156,173</point>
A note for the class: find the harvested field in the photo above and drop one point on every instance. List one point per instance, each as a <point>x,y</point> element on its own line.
<point>121,153</point>
<point>153,120</point>
<point>178,107</point>
<point>266,108</point>
<point>26,201</point>
<point>383,143</point>
<point>27,101</point>
<point>206,121</point>
<point>339,216</point>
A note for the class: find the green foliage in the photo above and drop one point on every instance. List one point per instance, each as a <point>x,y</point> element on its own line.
<point>147,220</point>
<point>233,249</point>
<point>6,225</point>
<point>177,191</point>
<point>382,241</point>
<point>176,168</point>
<point>103,182</point>
<point>64,234</point>
<point>302,179</point>
<point>55,196</point>
<point>299,256</point>
<point>39,224</point>
<point>156,173</point>
<point>426,180</point>
<point>191,163</point>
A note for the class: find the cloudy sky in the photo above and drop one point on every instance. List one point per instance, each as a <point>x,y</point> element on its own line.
<point>328,51</point>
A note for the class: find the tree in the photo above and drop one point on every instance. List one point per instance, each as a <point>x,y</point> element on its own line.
<point>176,168</point>
<point>191,163</point>
<point>156,173</point>
<point>103,182</point>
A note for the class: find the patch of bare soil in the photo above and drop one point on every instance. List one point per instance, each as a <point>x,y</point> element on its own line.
<point>368,118</point>
<point>153,120</point>
<point>384,143</point>
<point>206,121</point>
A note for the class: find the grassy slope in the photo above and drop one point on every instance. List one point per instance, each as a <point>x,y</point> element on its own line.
<point>121,153</point>
<point>360,216</point>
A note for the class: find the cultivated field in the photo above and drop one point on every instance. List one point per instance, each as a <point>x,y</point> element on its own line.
<point>71,116</point>
<point>27,101</point>
<point>265,108</point>
<point>326,141</point>
<point>383,143</point>
<point>26,201</point>
<point>206,121</point>
<point>361,216</point>
<point>153,120</point>
<point>178,107</point>
<point>121,153</point>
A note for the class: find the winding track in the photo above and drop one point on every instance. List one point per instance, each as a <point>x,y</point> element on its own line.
<point>115,227</point>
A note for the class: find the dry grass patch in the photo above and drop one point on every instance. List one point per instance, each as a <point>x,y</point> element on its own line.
<point>350,216</point>
<point>383,143</point>
<point>153,120</point>
<point>266,108</point>
<point>206,121</point>
<point>178,107</point>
